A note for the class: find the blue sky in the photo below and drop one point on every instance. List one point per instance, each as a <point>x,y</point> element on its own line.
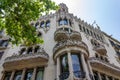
<point>106,13</point>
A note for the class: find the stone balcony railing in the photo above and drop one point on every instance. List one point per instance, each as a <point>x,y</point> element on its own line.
<point>61,34</point>
<point>26,56</point>
<point>25,60</point>
<point>75,36</point>
<point>105,66</point>
<point>100,49</point>
<point>70,43</point>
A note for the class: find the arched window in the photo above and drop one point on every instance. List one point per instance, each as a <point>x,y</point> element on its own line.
<point>29,50</point>
<point>22,51</point>
<point>80,27</point>
<point>61,22</point>
<point>65,21</point>
<point>36,49</point>
<point>70,22</point>
<point>39,74</point>
<point>29,74</point>
<point>96,77</point>
<point>77,65</point>
<point>7,75</point>
<point>64,63</point>
<point>39,34</point>
<point>48,23</point>
<point>42,24</point>
<point>18,75</point>
<point>36,24</point>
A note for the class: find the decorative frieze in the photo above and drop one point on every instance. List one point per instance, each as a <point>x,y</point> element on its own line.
<point>68,43</point>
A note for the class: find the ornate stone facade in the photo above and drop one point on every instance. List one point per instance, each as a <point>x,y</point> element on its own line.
<point>72,50</point>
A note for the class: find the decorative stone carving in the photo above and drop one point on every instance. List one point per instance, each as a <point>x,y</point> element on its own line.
<point>67,43</point>
<point>61,34</point>
<point>100,49</point>
<point>105,66</point>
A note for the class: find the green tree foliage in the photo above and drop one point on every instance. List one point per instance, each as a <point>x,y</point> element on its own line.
<point>16,15</point>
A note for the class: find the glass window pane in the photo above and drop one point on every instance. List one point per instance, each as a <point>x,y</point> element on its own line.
<point>48,24</point>
<point>18,75</point>
<point>64,64</point>
<point>65,22</point>
<point>42,24</point>
<point>64,67</point>
<point>29,75</point>
<point>96,76</point>
<point>39,75</point>
<point>103,77</point>
<point>7,76</point>
<point>77,66</point>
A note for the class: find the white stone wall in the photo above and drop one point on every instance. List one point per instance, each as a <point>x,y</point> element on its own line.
<point>49,43</point>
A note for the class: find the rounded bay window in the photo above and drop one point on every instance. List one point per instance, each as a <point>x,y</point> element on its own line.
<point>70,65</point>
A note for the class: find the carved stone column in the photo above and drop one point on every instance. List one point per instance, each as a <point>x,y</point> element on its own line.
<point>99,76</point>
<point>70,65</point>
<point>12,75</point>
<point>23,74</point>
<point>106,77</point>
<point>90,69</point>
<point>34,73</point>
<point>3,75</point>
<point>85,68</point>
<point>58,68</point>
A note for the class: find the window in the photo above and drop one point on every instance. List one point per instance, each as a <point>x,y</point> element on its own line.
<point>18,75</point>
<point>91,33</point>
<point>39,74</point>
<point>29,74</point>
<point>42,24</point>
<point>7,76</point>
<point>110,78</point>
<point>77,66</point>
<point>22,51</point>
<point>103,77</point>
<point>48,23</point>
<point>36,49</point>
<point>112,43</point>
<point>96,75</point>
<point>61,22</point>
<point>70,23</point>
<point>80,27</point>
<point>84,29</point>
<point>64,63</point>
<point>1,54</point>
<point>39,34</point>
<point>87,31</point>
<point>4,43</point>
<point>36,24</point>
<point>96,55</point>
<point>29,50</point>
<point>65,21</point>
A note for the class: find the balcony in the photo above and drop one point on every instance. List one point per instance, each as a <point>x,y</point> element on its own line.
<point>26,61</point>
<point>75,36</point>
<point>61,35</point>
<point>100,49</point>
<point>104,66</point>
<point>71,45</point>
<point>66,33</point>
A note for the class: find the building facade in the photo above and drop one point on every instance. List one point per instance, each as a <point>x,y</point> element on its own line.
<point>72,50</point>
